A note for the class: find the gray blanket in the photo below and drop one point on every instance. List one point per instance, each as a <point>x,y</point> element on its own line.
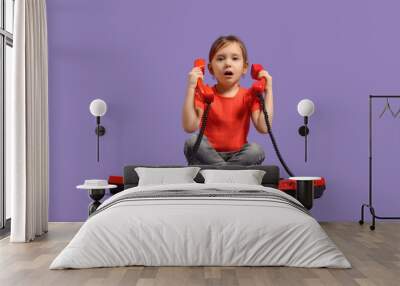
<point>206,194</point>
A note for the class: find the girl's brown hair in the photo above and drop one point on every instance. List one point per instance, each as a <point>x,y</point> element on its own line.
<point>222,42</point>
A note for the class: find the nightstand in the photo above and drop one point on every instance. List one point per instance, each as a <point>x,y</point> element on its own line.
<point>305,190</point>
<point>96,190</point>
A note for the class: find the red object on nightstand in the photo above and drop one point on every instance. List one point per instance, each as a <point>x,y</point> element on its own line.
<point>116,180</point>
<point>289,186</point>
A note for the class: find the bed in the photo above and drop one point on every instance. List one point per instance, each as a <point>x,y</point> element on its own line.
<point>201,224</point>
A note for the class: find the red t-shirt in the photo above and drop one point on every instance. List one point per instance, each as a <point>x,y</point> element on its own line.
<point>228,119</point>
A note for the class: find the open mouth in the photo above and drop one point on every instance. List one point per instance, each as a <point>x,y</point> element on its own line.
<point>228,73</point>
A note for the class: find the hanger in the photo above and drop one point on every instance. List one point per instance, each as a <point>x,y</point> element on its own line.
<point>397,113</point>
<point>387,106</point>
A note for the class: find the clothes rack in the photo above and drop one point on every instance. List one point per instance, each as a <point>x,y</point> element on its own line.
<point>370,205</point>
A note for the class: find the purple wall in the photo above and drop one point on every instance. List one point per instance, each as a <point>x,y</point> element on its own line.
<point>136,56</point>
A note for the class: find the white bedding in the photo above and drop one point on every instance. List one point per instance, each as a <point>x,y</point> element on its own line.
<point>184,231</point>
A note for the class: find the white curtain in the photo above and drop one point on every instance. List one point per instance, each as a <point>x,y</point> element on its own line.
<point>27,124</point>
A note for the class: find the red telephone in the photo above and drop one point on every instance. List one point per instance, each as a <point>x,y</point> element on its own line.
<point>207,95</point>
<point>205,91</point>
<point>258,86</point>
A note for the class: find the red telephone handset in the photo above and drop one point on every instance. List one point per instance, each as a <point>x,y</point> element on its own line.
<point>207,95</point>
<point>258,86</point>
<point>205,91</point>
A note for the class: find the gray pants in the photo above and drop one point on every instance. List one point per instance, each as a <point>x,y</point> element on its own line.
<point>250,154</point>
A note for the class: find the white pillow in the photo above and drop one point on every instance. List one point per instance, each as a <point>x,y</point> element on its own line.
<point>249,177</point>
<point>162,176</point>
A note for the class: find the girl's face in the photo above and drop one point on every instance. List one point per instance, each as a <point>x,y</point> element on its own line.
<point>228,65</point>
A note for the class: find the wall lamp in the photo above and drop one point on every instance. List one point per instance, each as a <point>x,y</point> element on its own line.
<point>305,108</point>
<point>98,108</point>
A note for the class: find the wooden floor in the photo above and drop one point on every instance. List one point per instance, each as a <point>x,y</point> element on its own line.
<point>374,255</point>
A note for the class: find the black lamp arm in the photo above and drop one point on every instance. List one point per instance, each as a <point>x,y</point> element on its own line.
<point>100,131</point>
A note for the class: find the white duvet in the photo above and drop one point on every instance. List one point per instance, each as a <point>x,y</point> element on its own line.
<point>200,231</point>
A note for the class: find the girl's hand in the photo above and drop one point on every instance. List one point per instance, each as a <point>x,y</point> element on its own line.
<point>193,76</point>
<point>268,77</point>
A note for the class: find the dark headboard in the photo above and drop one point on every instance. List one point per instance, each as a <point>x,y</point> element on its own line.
<point>270,179</point>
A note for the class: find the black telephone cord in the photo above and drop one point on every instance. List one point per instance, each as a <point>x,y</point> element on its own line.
<point>271,135</point>
<point>201,133</point>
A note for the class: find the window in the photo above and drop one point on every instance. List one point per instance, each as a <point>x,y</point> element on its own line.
<point>6,62</point>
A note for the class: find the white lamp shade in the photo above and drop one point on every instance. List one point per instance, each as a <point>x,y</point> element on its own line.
<point>305,107</point>
<point>98,107</point>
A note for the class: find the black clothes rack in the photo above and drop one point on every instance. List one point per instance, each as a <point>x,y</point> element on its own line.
<point>369,205</point>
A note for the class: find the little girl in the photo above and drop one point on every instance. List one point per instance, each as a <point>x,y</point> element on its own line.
<point>225,137</point>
